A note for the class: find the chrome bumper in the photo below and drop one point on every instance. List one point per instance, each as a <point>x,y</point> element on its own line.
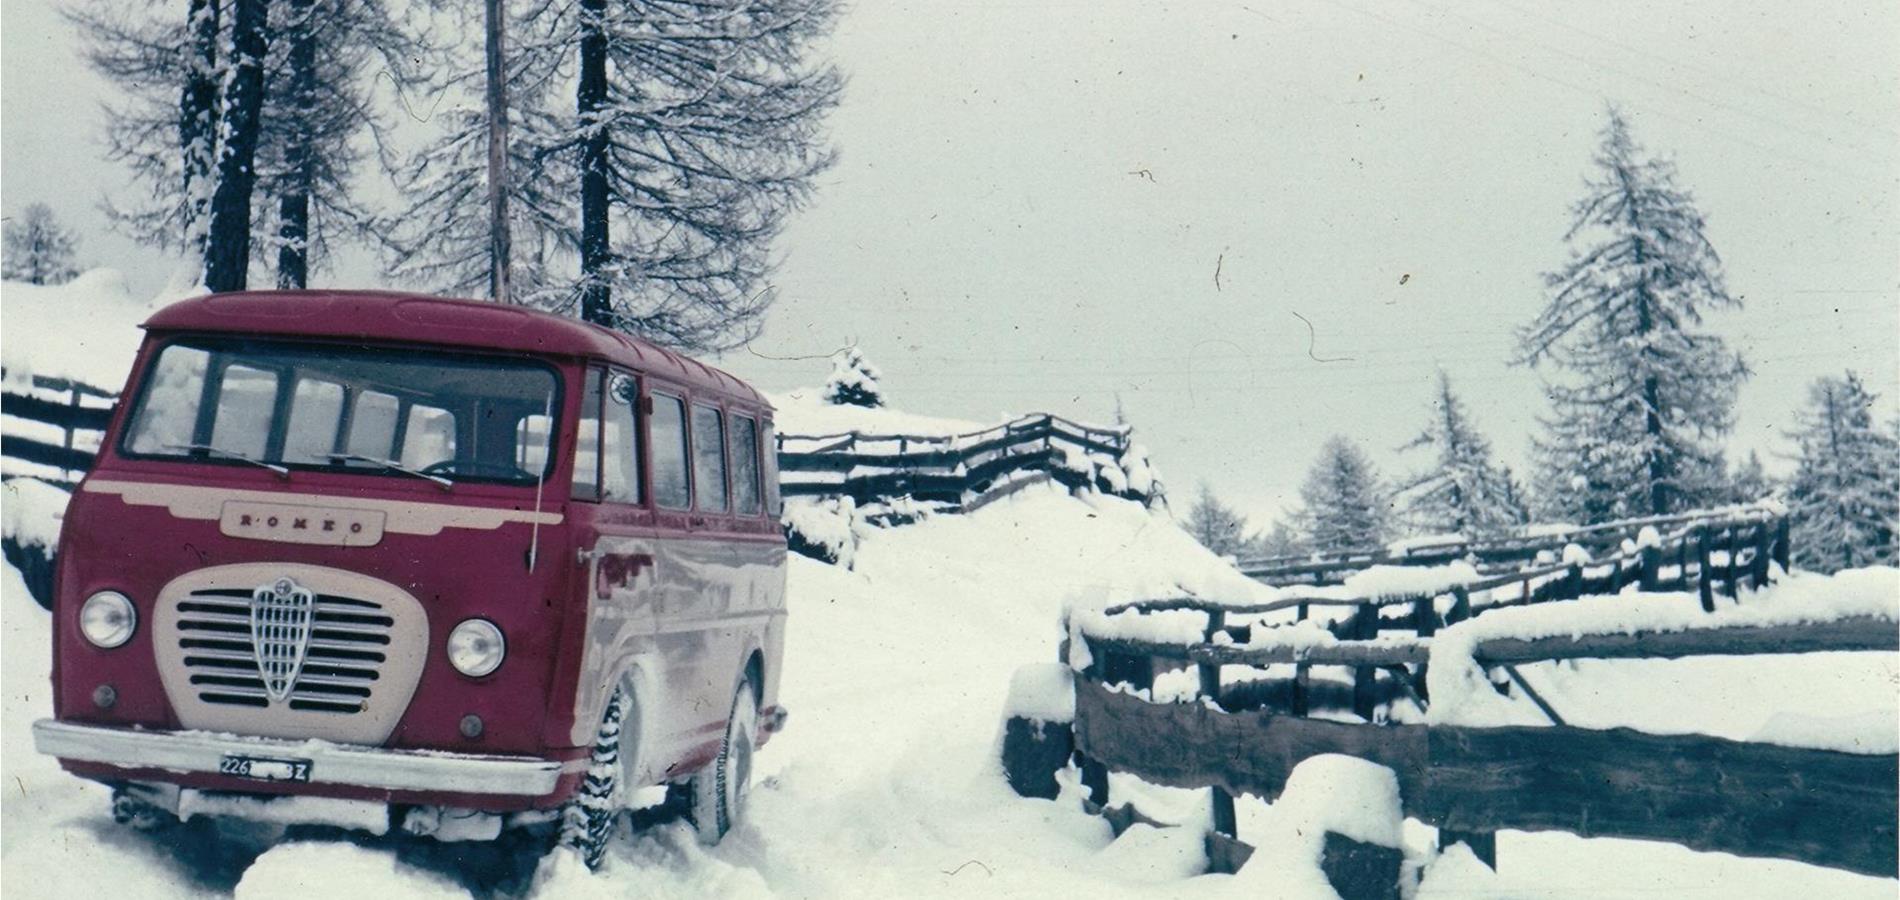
<point>370,767</point>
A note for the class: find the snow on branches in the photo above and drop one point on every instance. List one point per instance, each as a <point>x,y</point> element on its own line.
<point>1845,495</point>
<point>1637,427</point>
<point>853,381</point>
<point>1461,491</point>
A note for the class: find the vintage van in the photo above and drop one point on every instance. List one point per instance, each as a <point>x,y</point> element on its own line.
<point>390,561</point>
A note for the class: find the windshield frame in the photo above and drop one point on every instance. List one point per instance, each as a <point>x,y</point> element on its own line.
<point>211,341</point>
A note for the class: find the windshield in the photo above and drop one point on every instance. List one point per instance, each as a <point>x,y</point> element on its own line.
<point>444,416</point>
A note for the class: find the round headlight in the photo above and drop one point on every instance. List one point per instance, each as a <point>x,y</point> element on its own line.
<point>476,647</point>
<point>108,619</point>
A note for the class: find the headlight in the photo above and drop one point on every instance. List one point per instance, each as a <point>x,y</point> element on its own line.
<point>108,619</point>
<point>476,647</point>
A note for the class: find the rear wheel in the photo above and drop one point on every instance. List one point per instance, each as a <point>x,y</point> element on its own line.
<point>719,791</point>
<point>587,821</point>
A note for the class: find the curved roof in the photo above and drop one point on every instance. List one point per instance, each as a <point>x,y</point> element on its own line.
<point>423,319</point>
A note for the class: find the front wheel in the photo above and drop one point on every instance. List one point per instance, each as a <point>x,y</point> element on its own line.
<point>719,790</point>
<point>587,821</point>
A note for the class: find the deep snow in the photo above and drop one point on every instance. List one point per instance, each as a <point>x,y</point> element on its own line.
<point>885,783</point>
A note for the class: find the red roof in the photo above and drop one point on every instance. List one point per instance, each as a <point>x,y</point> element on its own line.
<point>422,319</point>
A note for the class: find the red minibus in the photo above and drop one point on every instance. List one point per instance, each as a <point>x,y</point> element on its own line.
<point>395,562</point>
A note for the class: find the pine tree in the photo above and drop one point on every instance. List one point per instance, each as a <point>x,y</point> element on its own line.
<point>1637,427</point>
<point>39,250</point>
<point>1216,525</point>
<point>1277,542</point>
<point>1461,491</point>
<point>1344,505</point>
<point>854,381</point>
<point>1750,482</point>
<point>1845,493</point>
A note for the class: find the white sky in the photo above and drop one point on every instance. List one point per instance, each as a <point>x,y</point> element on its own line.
<point>1034,199</point>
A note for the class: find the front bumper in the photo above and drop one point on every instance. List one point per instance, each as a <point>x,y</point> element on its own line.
<point>199,752</point>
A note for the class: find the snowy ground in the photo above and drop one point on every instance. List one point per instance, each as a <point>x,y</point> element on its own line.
<point>885,783</point>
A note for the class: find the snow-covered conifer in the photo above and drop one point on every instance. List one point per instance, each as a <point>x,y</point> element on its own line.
<point>1636,426</point>
<point>1216,525</point>
<point>1276,542</point>
<point>1750,482</point>
<point>1344,504</point>
<point>1845,493</point>
<point>1461,490</point>
<point>38,250</point>
<point>854,381</point>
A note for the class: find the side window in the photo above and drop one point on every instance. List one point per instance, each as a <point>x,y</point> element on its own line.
<point>709,457</point>
<point>668,427</point>
<point>773,504</point>
<point>587,441</point>
<point>745,465</point>
<point>429,438</point>
<point>531,442</point>
<point>246,403</point>
<point>620,447</point>
<point>316,406</point>
<point>170,412</point>
<point>373,425</point>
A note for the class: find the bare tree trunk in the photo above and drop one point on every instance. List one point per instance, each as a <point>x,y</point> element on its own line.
<point>198,118</point>
<point>228,250</point>
<point>293,207</point>
<point>592,95</point>
<point>498,237</point>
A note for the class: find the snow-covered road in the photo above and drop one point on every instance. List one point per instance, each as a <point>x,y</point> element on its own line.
<point>885,783</point>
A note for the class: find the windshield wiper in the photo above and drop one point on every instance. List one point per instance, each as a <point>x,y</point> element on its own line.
<point>282,471</point>
<point>394,466</point>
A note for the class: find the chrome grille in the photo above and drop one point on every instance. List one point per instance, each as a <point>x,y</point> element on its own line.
<point>238,647</point>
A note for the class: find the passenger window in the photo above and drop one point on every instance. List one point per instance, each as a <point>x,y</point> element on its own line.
<point>620,459</point>
<point>587,442</point>
<point>316,406</point>
<point>169,414</point>
<point>429,438</point>
<point>773,503</point>
<point>531,442</point>
<point>373,426</point>
<point>668,428</point>
<point>709,457</point>
<point>745,466</point>
<point>246,402</point>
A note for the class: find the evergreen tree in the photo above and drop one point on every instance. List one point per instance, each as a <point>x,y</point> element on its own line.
<point>1344,505</point>
<point>39,250</point>
<point>854,381</point>
<point>1216,525</point>
<point>1461,491</point>
<point>1277,542</point>
<point>1750,483</point>
<point>1637,427</point>
<point>1845,493</point>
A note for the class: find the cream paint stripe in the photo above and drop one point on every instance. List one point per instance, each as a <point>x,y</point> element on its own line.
<point>402,516</point>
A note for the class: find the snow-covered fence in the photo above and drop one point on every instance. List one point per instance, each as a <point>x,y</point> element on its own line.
<point>50,428</point>
<point>1193,692</point>
<point>1497,554</point>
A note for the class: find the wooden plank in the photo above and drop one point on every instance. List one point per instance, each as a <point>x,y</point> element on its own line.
<point>62,415</point>
<point>1858,633</point>
<point>1816,806</point>
<point>53,455</point>
<point>1341,654</point>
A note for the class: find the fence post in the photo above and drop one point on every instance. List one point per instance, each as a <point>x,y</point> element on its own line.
<point>1782,547</point>
<point>1573,581</point>
<point>1225,820</point>
<point>1460,605</point>
<point>1703,576</point>
<point>1365,678</point>
<point>1764,545</point>
<point>67,429</point>
<point>1732,546</point>
<point>1649,578</point>
<point>1682,564</point>
<point>1300,675</point>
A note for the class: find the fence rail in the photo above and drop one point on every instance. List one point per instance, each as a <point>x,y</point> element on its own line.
<point>78,412</point>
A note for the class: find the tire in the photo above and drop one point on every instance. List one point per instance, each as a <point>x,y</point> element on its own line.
<point>588,818</point>
<point>719,790</point>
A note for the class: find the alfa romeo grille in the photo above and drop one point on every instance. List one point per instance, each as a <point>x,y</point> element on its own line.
<point>239,648</point>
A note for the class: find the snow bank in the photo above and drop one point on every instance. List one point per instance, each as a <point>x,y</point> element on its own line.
<point>31,512</point>
<point>86,329</point>
<point>805,412</point>
<point>1042,693</point>
<point>301,870</point>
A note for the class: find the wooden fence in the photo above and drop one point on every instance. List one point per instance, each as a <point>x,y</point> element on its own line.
<point>952,472</point>
<point>1493,555</point>
<point>62,422</point>
<point>1245,736</point>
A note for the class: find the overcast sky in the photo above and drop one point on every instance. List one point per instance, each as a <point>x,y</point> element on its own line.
<point>1046,206</point>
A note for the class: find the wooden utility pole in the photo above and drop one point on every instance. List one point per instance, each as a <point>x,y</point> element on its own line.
<point>498,245</point>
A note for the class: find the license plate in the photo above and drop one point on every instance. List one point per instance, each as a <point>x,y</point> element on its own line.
<point>262,768</point>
